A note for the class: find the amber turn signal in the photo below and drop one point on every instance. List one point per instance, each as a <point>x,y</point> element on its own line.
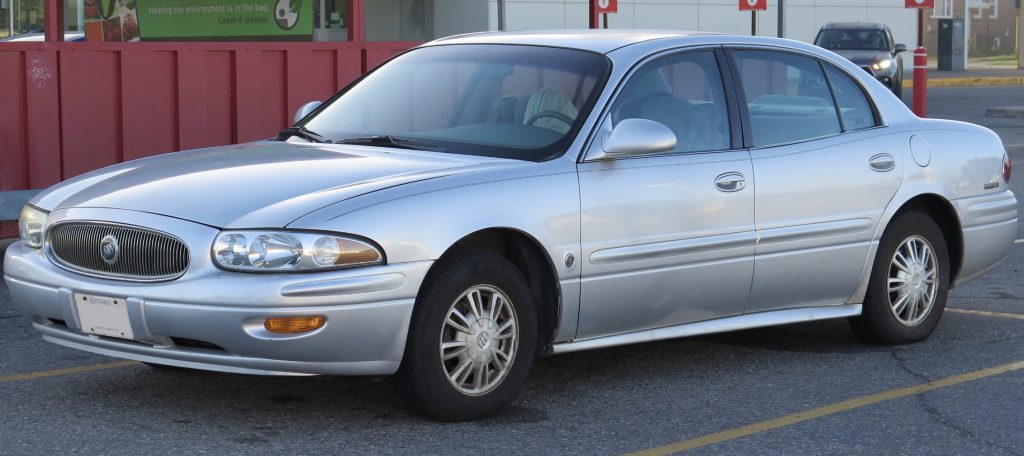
<point>294,325</point>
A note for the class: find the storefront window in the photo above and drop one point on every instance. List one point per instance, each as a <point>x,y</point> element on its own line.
<point>330,20</point>
<point>5,18</point>
<point>28,16</point>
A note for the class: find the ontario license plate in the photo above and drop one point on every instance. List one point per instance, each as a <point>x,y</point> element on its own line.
<point>104,316</point>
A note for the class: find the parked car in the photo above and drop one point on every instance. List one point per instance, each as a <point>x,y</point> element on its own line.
<point>484,199</point>
<point>870,46</point>
<point>40,36</point>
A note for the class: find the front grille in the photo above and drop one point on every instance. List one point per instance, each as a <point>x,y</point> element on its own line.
<point>141,254</point>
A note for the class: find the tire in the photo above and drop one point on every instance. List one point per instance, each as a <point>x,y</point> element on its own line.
<point>879,322</point>
<point>898,88</point>
<point>438,388</point>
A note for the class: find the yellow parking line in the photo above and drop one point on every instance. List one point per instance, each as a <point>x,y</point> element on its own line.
<point>832,409</point>
<point>67,371</point>
<point>985,313</point>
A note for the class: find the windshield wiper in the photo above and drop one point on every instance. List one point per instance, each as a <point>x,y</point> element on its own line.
<point>392,141</point>
<point>301,132</point>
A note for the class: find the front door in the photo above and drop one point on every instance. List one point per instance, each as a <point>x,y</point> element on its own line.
<point>668,239</point>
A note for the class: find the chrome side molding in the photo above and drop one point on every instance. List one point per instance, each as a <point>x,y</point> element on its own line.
<point>748,321</point>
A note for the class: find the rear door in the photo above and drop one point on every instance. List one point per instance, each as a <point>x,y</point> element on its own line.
<point>824,177</point>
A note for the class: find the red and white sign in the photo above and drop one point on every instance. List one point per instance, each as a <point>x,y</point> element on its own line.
<point>753,5</point>
<point>919,3</point>
<point>608,6</point>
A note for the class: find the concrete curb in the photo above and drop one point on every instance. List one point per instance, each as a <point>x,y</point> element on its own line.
<point>979,81</point>
<point>1009,112</point>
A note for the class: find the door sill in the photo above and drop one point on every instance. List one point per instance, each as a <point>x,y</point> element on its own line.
<point>739,322</point>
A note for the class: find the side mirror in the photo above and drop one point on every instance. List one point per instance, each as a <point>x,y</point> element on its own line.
<point>901,48</point>
<point>305,110</point>
<point>633,137</point>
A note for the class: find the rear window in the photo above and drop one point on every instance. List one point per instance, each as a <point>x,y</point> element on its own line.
<point>788,98</point>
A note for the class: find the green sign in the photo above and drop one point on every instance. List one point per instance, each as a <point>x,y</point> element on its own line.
<point>233,19</point>
<point>207,20</point>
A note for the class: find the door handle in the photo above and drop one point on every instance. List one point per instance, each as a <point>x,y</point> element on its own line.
<point>882,162</point>
<point>730,182</point>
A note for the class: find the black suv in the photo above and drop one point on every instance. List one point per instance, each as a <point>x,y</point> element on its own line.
<point>868,45</point>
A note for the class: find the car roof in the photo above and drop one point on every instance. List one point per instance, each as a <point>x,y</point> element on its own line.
<point>599,40</point>
<point>853,26</point>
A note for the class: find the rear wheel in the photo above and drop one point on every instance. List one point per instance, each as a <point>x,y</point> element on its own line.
<point>909,283</point>
<point>471,339</point>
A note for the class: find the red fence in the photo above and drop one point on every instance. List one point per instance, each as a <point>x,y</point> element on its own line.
<point>68,108</point>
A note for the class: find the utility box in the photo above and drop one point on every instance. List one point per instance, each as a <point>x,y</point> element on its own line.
<point>951,45</point>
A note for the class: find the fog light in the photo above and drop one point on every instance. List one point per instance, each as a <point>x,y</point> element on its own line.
<point>293,325</point>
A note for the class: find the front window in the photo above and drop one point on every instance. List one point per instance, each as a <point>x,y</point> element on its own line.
<point>506,101</point>
<point>683,92</point>
<point>863,40</point>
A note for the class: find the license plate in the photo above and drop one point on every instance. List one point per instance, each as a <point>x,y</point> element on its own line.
<point>104,316</point>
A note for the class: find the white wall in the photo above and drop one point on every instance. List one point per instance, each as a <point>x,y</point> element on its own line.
<point>452,17</point>
<point>382,20</point>
<point>803,17</point>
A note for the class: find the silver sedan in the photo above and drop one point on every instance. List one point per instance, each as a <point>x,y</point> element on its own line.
<point>484,199</point>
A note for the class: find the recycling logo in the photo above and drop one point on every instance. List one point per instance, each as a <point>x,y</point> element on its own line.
<point>286,13</point>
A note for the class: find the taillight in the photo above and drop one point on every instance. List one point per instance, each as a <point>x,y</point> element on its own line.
<point>1007,168</point>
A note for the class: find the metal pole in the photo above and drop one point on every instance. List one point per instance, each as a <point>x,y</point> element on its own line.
<point>967,30</point>
<point>1020,35</point>
<point>753,23</point>
<point>920,27</point>
<point>502,26</point>
<point>782,19</point>
<point>53,20</point>
<point>10,15</point>
<point>593,15</point>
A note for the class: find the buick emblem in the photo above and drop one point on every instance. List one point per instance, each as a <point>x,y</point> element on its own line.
<point>110,251</point>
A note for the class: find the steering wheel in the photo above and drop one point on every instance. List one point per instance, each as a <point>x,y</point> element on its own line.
<point>552,114</point>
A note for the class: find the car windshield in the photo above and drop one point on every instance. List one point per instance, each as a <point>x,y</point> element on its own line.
<point>868,40</point>
<point>505,101</point>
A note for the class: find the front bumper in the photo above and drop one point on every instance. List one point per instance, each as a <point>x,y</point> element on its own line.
<point>887,76</point>
<point>212,319</point>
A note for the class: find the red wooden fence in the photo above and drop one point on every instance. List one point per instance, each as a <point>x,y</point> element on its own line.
<point>68,108</point>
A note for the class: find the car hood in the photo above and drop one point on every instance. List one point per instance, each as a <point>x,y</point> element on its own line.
<point>260,184</point>
<point>862,58</point>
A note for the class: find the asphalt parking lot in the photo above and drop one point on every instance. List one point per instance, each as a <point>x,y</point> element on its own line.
<point>802,389</point>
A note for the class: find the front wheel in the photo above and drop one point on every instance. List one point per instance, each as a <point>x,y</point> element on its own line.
<point>472,338</point>
<point>909,283</point>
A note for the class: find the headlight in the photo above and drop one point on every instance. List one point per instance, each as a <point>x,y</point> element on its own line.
<point>882,65</point>
<point>30,225</point>
<point>283,251</point>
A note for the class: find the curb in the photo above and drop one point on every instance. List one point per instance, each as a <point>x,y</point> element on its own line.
<point>1006,112</point>
<point>978,81</point>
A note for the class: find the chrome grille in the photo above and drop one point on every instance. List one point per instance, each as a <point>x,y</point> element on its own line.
<point>144,255</point>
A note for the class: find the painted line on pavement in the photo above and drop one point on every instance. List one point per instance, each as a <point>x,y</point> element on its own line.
<point>831,409</point>
<point>66,371</point>
<point>985,313</point>
<point>1019,241</point>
